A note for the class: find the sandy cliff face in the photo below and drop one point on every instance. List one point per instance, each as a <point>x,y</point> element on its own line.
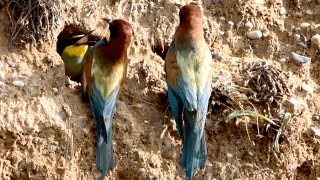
<point>47,132</point>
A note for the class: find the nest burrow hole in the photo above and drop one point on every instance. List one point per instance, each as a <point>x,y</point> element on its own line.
<point>161,49</point>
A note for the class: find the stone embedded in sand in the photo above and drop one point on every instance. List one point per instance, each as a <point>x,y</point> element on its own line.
<point>1,83</point>
<point>249,25</point>
<point>231,23</point>
<point>254,34</point>
<point>297,37</point>
<point>55,90</point>
<point>295,106</point>
<point>315,41</point>
<point>315,131</point>
<point>309,12</point>
<point>229,156</point>
<point>18,83</point>
<point>218,56</point>
<point>306,87</point>
<point>3,65</point>
<point>259,2</point>
<point>142,171</point>
<point>304,25</point>
<point>222,18</point>
<point>299,59</point>
<point>265,33</point>
<point>282,11</point>
<point>2,75</point>
<point>85,130</point>
<point>283,60</point>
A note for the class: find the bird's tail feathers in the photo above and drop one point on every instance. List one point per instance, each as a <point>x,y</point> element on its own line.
<point>105,159</point>
<point>194,153</point>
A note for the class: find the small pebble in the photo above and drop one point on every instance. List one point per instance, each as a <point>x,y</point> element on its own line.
<point>316,117</point>
<point>3,65</point>
<point>221,33</point>
<point>247,165</point>
<point>254,34</point>
<point>282,11</point>
<point>265,33</point>
<point>309,12</point>
<point>299,59</point>
<point>2,75</point>
<point>297,37</point>
<point>85,130</point>
<point>304,25</point>
<point>229,155</point>
<point>315,131</point>
<point>218,56</point>
<point>55,90</point>
<point>231,23</point>
<point>141,171</point>
<point>18,83</point>
<point>295,106</point>
<point>1,83</point>
<point>315,41</point>
<point>260,2</point>
<point>283,60</point>
<point>307,88</point>
<point>298,14</point>
<point>249,25</point>
<point>222,18</point>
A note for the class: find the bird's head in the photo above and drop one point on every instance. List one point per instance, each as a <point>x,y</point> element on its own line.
<point>121,31</point>
<point>191,16</point>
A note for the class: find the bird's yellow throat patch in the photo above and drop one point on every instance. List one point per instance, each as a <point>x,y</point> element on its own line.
<point>74,50</point>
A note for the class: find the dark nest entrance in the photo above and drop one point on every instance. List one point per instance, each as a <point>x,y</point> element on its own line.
<point>161,49</point>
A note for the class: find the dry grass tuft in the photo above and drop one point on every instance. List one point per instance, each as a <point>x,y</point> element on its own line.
<point>32,20</point>
<point>257,96</point>
<point>266,81</point>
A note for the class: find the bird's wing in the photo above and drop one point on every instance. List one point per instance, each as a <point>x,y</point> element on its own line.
<point>177,79</point>
<point>87,78</point>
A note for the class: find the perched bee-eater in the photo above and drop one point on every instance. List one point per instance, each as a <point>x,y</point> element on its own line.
<point>104,72</point>
<point>72,52</point>
<point>188,76</point>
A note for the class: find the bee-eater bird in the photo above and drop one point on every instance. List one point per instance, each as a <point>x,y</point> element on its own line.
<point>72,55</point>
<point>104,72</point>
<point>188,76</point>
